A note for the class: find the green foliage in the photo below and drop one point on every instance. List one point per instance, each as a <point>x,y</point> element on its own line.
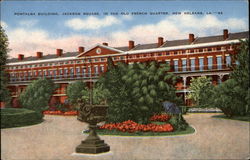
<point>99,94</point>
<point>137,91</point>
<point>11,117</point>
<point>117,94</point>
<point>229,97</point>
<point>178,122</point>
<point>200,88</point>
<point>37,95</point>
<point>61,107</point>
<point>4,92</point>
<point>232,96</point>
<point>149,88</point>
<point>184,109</point>
<point>75,91</point>
<point>3,47</point>
<point>79,91</point>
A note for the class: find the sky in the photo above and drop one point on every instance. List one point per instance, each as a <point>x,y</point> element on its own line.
<point>33,26</point>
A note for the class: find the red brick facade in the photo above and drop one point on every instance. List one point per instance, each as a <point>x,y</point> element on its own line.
<point>193,57</point>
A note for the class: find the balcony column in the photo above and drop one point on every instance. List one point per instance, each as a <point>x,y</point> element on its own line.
<point>220,77</point>
<point>179,65</point>
<point>184,78</point>
<point>205,63</point>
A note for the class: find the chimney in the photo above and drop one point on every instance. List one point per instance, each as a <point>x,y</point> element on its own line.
<point>225,34</point>
<point>191,38</point>
<point>59,52</point>
<point>20,57</point>
<point>39,54</point>
<point>160,41</point>
<point>105,44</point>
<point>131,44</point>
<point>80,49</point>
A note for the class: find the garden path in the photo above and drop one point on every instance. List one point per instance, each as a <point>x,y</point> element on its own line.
<point>57,137</point>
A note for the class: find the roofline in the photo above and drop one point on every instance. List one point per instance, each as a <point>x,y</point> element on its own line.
<point>183,47</point>
<point>100,45</point>
<point>133,52</point>
<point>170,48</point>
<point>41,61</point>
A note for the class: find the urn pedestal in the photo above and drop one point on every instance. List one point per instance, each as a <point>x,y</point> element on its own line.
<point>92,114</point>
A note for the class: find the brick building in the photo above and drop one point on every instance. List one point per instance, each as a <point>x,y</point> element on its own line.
<point>191,57</point>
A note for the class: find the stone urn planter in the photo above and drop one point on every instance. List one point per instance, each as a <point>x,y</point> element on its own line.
<point>92,114</point>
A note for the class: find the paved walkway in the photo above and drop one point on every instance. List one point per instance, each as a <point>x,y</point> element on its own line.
<point>57,137</point>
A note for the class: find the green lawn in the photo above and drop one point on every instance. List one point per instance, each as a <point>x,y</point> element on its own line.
<point>239,118</point>
<point>189,130</point>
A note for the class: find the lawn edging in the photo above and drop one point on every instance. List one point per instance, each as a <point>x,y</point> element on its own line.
<point>235,118</point>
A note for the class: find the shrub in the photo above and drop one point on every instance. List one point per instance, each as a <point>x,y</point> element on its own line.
<point>12,117</point>
<point>201,88</point>
<point>37,95</point>
<point>233,96</point>
<point>178,122</point>
<point>61,107</point>
<point>184,109</point>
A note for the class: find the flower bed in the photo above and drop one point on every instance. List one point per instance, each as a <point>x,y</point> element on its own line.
<point>161,125</point>
<point>131,126</point>
<point>67,113</point>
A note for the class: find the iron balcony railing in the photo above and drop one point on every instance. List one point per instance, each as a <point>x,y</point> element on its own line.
<point>88,76</point>
<point>55,77</point>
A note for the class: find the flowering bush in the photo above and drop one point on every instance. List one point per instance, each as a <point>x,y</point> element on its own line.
<point>160,117</point>
<point>68,113</point>
<point>131,126</point>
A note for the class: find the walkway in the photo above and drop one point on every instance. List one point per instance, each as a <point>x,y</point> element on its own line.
<point>57,137</point>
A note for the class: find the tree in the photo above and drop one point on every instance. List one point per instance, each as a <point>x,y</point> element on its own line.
<point>99,94</point>
<point>4,92</point>
<point>137,91</point>
<point>228,97</point>
<point>241,72</point>
<point>232,96</point>
<point>3,48</point>
<point>151,84</point>
<point>117,93</point>
<point>79,91</point>
<point>37,95</point>
<point>200,88</point>
<point>75,91</point>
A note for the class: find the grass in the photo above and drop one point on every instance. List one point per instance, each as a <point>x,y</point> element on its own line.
<point>189,130</point>
<point>239,118</point>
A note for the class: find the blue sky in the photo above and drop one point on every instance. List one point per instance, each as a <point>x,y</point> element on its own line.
<point>29,34</point>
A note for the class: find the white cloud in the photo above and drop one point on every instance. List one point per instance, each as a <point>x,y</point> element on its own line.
<point>178,27</point>
<point>29,41</point>
<point>28,23</point>
<point>91,23</point>
<point>127,17</point>
<point>3,24</point>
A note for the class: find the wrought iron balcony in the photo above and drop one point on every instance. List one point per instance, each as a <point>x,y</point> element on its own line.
<point>87,76</point>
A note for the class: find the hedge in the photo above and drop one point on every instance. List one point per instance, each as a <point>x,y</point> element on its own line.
<point>13,117</point>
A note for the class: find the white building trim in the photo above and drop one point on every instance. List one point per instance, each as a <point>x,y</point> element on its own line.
<point>128,52</point>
